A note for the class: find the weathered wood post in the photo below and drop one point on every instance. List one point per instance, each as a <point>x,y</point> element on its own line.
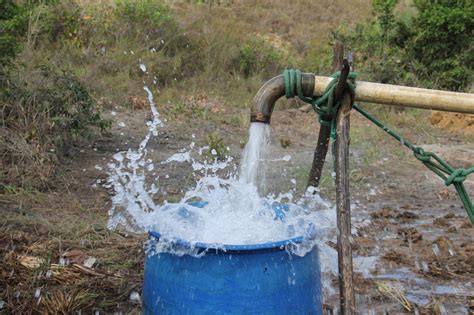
<point>344,250</point>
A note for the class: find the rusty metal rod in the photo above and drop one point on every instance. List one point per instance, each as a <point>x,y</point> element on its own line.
<point>341,85</point>
<point>320,152</point>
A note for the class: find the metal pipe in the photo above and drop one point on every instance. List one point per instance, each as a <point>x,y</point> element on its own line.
<point>271,91</point>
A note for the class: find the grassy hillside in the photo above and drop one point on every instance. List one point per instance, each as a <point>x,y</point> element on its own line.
<point>223,50</point>
<point>64,62</point>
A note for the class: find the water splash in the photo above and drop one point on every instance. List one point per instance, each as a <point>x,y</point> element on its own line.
<point>218,210</point>
<point>127,178</point>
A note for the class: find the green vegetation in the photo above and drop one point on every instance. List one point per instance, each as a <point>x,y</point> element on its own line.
<point>13,25</point>
<point>218,150</point>
<point>431,47</point>
<point>258,57</point>
<point>63,62</point>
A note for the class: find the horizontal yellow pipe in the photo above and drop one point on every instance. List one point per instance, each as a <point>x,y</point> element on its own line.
<point>406,96</point>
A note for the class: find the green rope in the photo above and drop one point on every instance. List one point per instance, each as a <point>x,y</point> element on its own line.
<point>432,161</point>
<point>324,105</point>
<point>327,110</point>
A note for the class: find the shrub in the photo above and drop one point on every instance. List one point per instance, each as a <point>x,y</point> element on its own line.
<point>441,41</point>
<point>35,22</point>
<point>258,56</point>
<point>148,28</point>
<point>13,25</point>
<point>50,102</point>
<point>433,48</point>
<point>62,21</point>
<point>145,18</point>
<point>42,111</point>
<point>218,150</point>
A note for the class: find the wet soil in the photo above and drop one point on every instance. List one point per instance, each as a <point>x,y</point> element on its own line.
<point>412,240</point>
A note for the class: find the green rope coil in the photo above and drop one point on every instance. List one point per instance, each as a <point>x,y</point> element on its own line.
<point>324,105</point>
<point>292,78</point>
<point>327,109</point>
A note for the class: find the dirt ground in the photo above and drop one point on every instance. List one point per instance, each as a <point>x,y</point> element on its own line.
<point>413,242</point>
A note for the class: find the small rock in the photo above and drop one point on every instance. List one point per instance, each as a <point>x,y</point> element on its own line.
<point>451,229</point>
<point>285,143</point>
<point>449,215</point>
<point>396,257</point>
<point>407,215</point>
<point>466,224</point>
<point>441,222</point>
<point>385,213</point>
<point>37,293</point>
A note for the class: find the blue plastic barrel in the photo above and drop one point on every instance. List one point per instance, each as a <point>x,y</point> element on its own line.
<point>234,279</point>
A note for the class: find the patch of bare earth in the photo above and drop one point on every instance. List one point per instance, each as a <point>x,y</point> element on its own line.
<point>454,122</point>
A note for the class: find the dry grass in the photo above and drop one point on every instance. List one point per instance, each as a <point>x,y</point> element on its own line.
<point>37,229</point>
<point>297,22</point>
<point>394,292</point>
<point>23,163</point>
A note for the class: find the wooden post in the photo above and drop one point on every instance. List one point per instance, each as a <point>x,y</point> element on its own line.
<point>344,250</point>
<point>321,149</point>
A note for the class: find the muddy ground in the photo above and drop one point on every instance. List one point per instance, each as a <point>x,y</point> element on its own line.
<point>413,242</point>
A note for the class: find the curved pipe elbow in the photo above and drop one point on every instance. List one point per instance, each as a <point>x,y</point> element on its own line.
<point>265,99</point>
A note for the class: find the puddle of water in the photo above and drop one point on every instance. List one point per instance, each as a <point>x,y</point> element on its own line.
<point>364,264</point>
<point>421,291</point>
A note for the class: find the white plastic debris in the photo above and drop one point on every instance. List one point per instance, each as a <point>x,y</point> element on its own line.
<point>89,262</point>
<point>135,297</point>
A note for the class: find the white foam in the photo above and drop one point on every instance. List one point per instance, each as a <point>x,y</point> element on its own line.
<point>178,157</point>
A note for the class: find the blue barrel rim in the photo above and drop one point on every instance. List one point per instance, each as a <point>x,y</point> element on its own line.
<point>278,245</point>
<point>236,247</point>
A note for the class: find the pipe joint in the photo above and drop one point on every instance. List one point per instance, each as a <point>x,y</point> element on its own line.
<point>265,99</point>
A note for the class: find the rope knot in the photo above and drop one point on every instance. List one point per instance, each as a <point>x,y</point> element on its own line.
<point>325,105</point>
<point>458,176</point>
<point>421,155</point>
